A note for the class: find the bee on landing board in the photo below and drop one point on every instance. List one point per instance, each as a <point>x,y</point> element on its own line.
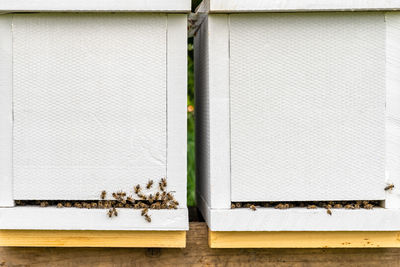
<point>110,213</point>
<point>329,212</point>
<point>103,194</point>
<point>147,218</point>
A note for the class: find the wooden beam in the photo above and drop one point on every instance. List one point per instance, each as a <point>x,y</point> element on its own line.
<point>197,253</point>
<point>73,238</point>
<point>317,239</point>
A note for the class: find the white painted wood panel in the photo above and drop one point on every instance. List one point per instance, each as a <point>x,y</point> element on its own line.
<point>91,219</point>
<point>229,6</point>
<point>177,105</point>
<point>393,108</point>
<point>89,103</point>
<point>307,106</point>
<point>6,124</point>
<point>218,72</point>
<point>96,5</point>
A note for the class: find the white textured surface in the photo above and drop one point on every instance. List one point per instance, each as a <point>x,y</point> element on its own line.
<point>89,103</point>
<point>177,105</point>
<point>202,112</point>
<point>96,5</point>
<point>307,106</point>
<point>212,111</point>
<point>6,125</point>
<point>393,108</point>
<point>91,219</point>
<point>230,6</point>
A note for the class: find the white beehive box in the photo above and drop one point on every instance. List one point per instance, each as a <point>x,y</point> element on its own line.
<point>298,101</point>
<point>91,99</point>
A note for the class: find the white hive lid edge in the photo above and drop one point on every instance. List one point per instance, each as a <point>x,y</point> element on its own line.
<point>233,6</point>
<point>170,6</point>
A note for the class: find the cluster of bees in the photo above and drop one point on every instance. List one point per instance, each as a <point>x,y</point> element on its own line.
<point>328,205</point>
<point>162,199</point>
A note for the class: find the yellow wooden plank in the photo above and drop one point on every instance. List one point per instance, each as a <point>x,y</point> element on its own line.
<point>339,239</point>
<point>67,238</point>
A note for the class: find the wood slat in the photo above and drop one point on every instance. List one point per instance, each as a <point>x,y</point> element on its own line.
<point>73,238</point>
<point>317,239</point>
<point>197,253</point>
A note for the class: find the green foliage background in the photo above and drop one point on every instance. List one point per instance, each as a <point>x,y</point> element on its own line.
<point>191,172</point>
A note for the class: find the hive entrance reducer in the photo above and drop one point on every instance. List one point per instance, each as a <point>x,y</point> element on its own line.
<point>89,100</point>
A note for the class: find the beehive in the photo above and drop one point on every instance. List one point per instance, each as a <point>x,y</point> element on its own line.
<point>93,97</point>
<point>298,101</point>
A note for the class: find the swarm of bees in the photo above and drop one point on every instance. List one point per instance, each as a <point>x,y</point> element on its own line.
<point>328,205</point>
<point>161,199</point>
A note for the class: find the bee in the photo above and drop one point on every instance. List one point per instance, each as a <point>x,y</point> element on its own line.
<point>170,196</point>
<point>144,211</point>
<point>115,211</point>
<point>130,199</point>
<point>252,207</point>
<point>238,205</point>
<point>150,199</point>
<point>147,218</point>
<point>137,189</point>
<point>68,205</point>
<point>110,213</point>
<point>93,205</point>
<point>60,205</point>
<point>389,187</point>
<point>338,206</point>
<point>157,205</point>
<point>349,207</point>
<point>160,185</point>
<point>103,194</point>
<point>44,204</point>
<point>328,206</point>
<point>357,206</point>
<point>233,206</point>
<point>311,207</point>
<point>282,206</point>
<point>120,205</point>
<point>157,196</point>
<point>247,205</point>
<point>329,212</point>
<point>149,184</point>
<point>115,195</point>
<point>164,181</point>
<point>163,206</point>
<point>368,206</point>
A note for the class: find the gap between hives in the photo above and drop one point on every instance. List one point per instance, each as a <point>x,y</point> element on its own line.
<point>162,199</point>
